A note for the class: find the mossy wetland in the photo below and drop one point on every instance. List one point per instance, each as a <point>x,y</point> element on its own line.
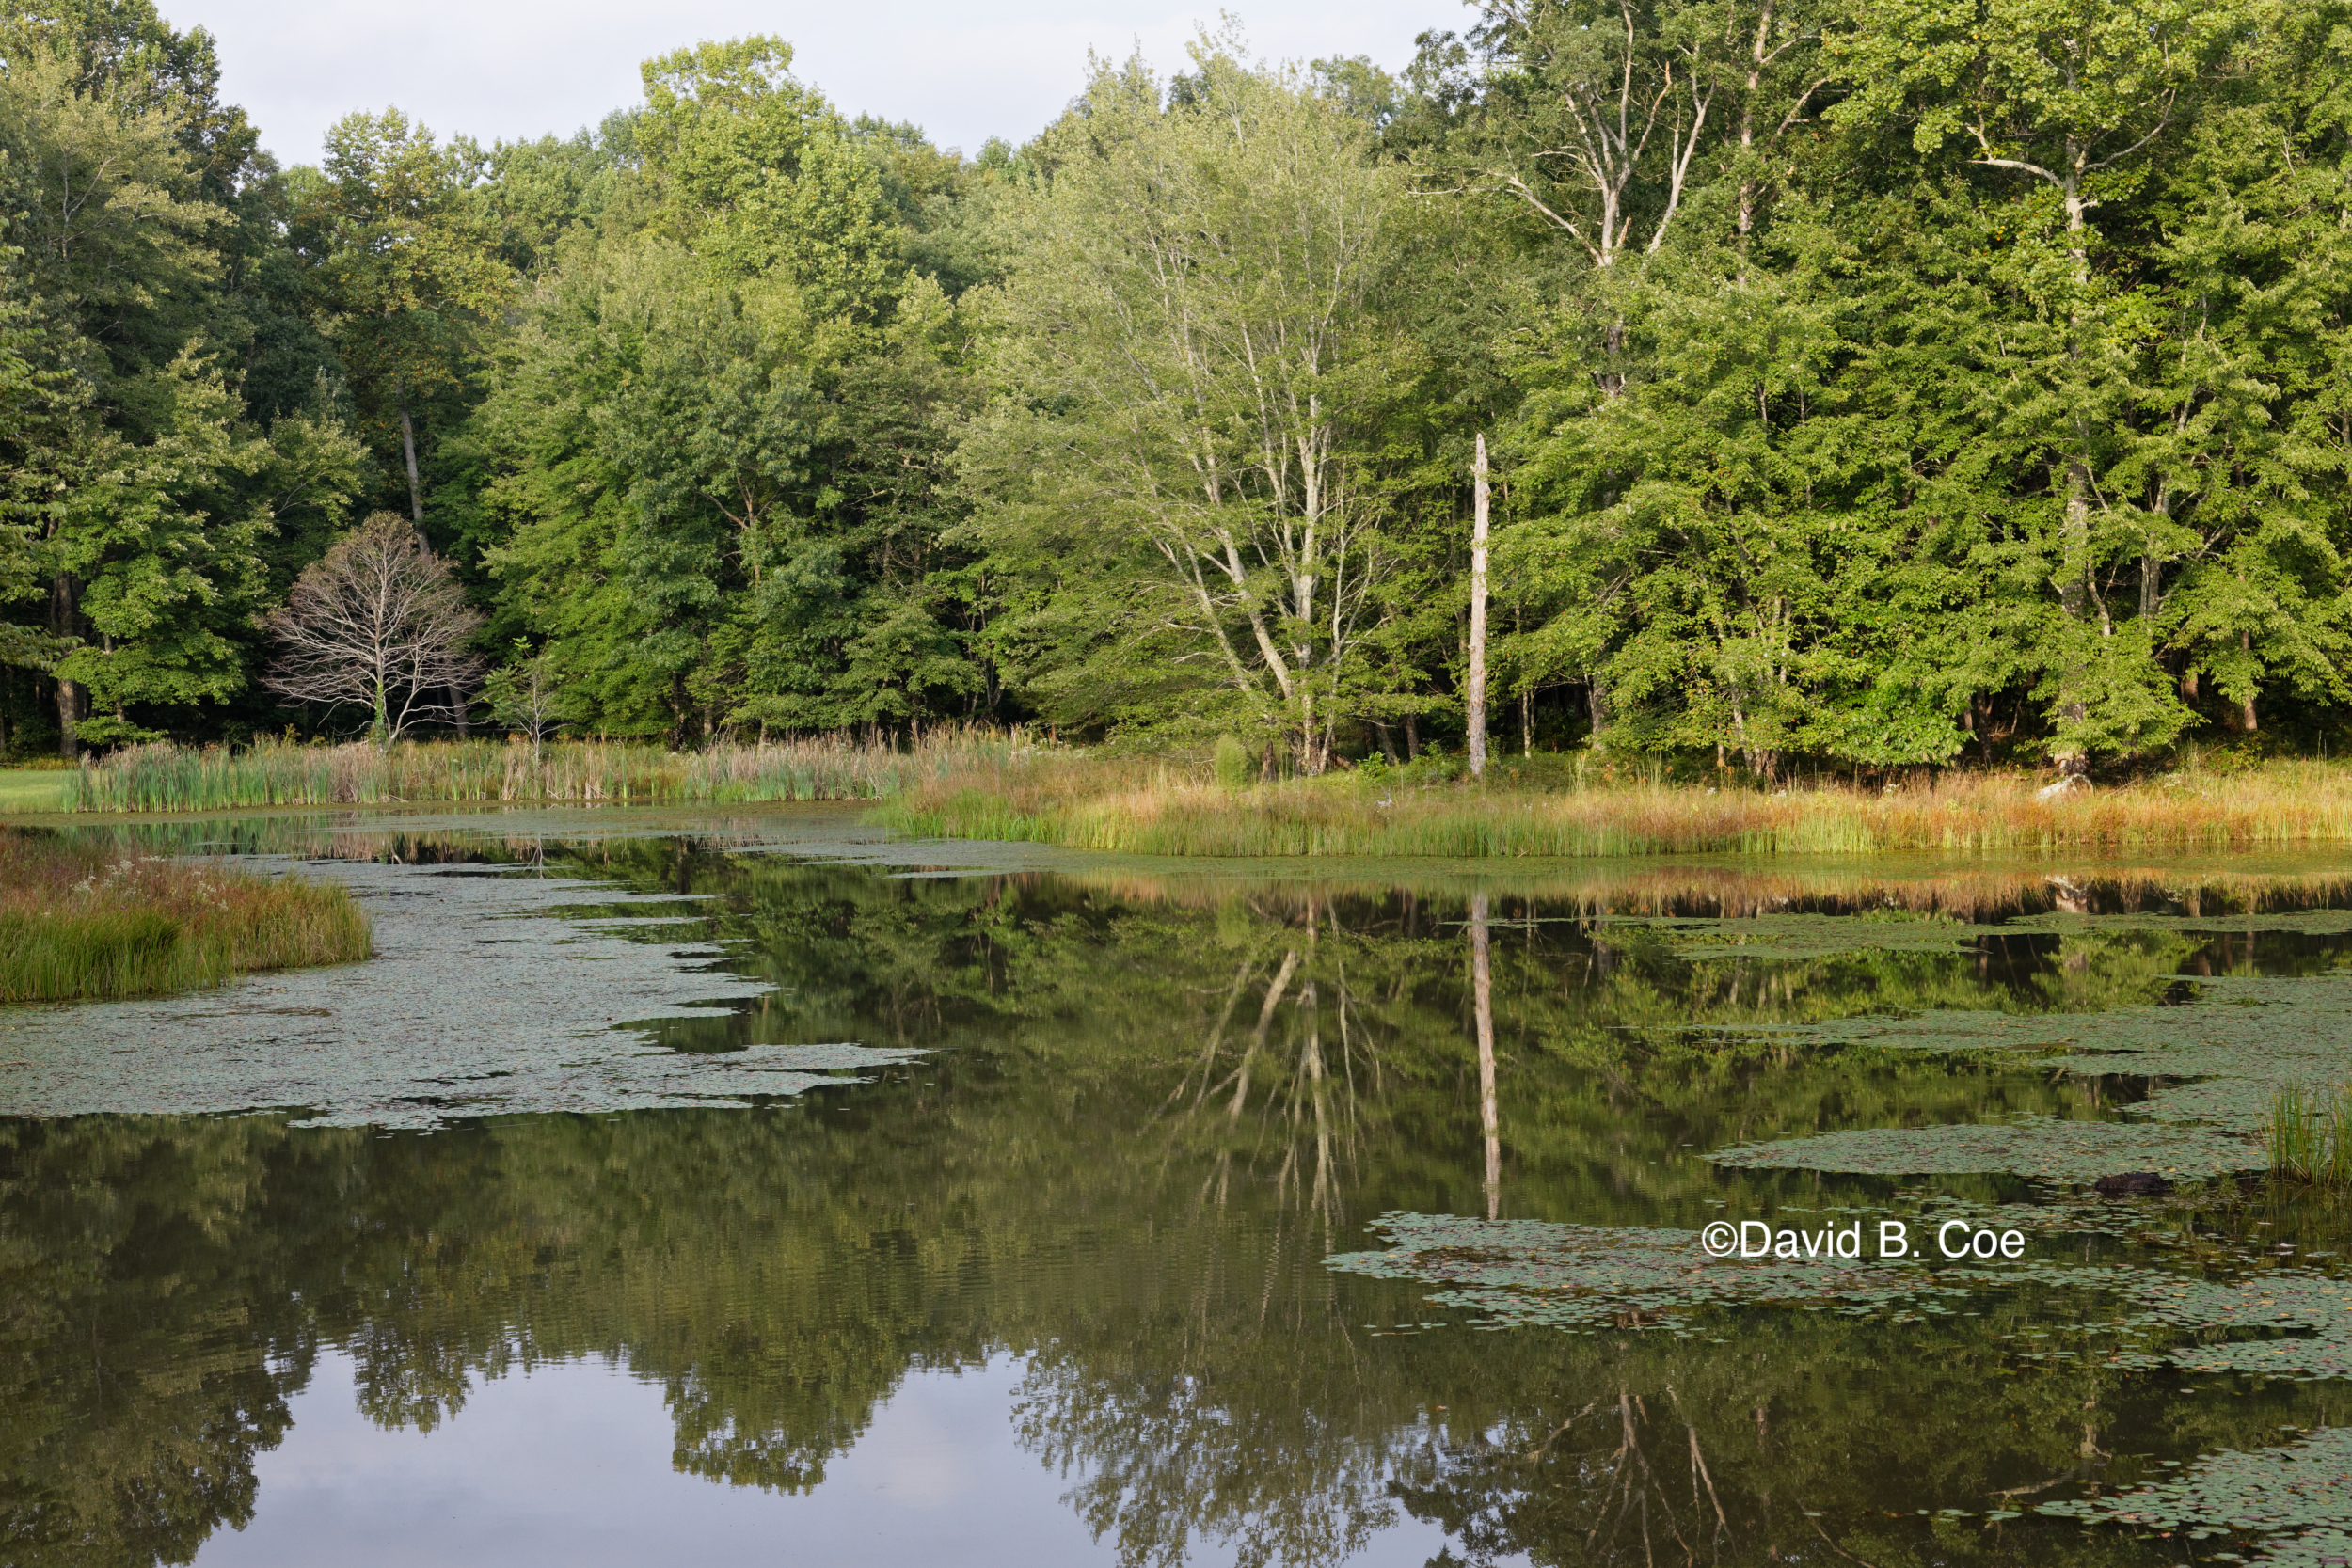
<point>1236,1216</point>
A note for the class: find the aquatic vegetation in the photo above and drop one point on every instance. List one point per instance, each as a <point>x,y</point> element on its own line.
<point>2042,1148</point>
<point>1583,1278</point>
<point>2311,1137</point>
<point>81,921</point>
<point>167,778</point>
<point>2219,1063</point>
<point>2284,1322</point>
<point>493,994</point>
<point>2304,1487</point>
<point>1158,807</point>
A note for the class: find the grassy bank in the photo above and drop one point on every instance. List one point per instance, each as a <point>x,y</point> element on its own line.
<point>1138,807</point>
<point>166,778</point>
<point>78,922</point>
<point>974,784</point>
<point>30,789</point>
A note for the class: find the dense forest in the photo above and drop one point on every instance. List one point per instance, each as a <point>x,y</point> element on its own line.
<point>1872,383</point>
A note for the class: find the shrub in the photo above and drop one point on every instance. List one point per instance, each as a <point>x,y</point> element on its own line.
<point>1232,763</point>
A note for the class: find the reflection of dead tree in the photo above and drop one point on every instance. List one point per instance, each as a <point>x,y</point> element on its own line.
<point>1239,1077</point>
<point>1698,1470</point>
<point>1834,1546</point>
<point>1307,1086</point>
<point>1216,1039</point>
<point>1315,1116</point>
<point>1481,983</point>
<point>1535,1454</point>
<point>1623,1466</point>
<point>1632,1488</point>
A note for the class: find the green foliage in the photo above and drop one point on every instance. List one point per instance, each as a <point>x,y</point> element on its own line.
<point>1232,763</point>
<point>1867,390</point>
<point>1183,459</point>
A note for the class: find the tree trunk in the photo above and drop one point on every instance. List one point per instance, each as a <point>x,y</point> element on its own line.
<point>409,450</point>
<point>1478,613</point>
<point>72,704</point>
<point>1412,739</point>
<point>73,701</point>
<point>1482,987</point>
<point>2245,709</point>
<point>2075,545</point>
<point>416,516</point>
<point>2074,597</point>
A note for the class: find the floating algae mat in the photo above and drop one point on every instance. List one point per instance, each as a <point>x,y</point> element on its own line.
<point>670,1185</point>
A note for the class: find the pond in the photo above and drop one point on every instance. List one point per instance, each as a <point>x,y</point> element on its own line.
<point>745,1188</point>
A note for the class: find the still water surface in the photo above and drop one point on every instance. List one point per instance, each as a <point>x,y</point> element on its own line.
<point>752,1191</point>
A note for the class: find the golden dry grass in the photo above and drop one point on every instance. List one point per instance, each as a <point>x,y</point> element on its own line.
<point>1139,807</point>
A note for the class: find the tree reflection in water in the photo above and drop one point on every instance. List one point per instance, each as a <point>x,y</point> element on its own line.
<point>1147,1115</point>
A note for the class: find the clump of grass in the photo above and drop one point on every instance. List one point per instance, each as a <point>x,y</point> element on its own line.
<point>82,922</point>
<point>2311,1137</point>
<point>1137,807</point>
<point>167,778</point>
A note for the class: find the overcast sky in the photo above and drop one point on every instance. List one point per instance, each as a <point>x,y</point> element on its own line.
<point>505,69</point>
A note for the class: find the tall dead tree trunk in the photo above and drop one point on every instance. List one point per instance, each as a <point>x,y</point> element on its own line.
<point>1478,613</point>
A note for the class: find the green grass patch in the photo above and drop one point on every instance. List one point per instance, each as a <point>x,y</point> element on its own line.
<point>82,922</point>
<point>168,778</point>
<point>32,789</point>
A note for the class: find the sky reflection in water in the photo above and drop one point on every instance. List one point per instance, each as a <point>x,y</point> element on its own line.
<point>566,1466</point>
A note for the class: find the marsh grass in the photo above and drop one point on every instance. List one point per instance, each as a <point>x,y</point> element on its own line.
<point>80,922</point>
<point>974,783</point>
<point>1140,807</point>
<point>2311,1137</point>
<point>167,778</point>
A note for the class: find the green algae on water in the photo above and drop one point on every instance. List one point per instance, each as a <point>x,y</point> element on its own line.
<point>2044,1148</point>
<point>1583,1278</point>
<point>2304,1487</point>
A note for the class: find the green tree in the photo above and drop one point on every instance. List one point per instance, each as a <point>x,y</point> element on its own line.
<point>1194,372</point>
<point>407,249</point>
<point>132,464</point>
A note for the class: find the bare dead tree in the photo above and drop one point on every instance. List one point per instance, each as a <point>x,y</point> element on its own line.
<point>523,697</point>
<point>378,622</point>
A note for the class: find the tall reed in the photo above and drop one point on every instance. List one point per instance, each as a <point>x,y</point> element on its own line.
<point>81,921</point>
<point>167,778</point>
<point>1140,808</point>
<point>2311,1137</point>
